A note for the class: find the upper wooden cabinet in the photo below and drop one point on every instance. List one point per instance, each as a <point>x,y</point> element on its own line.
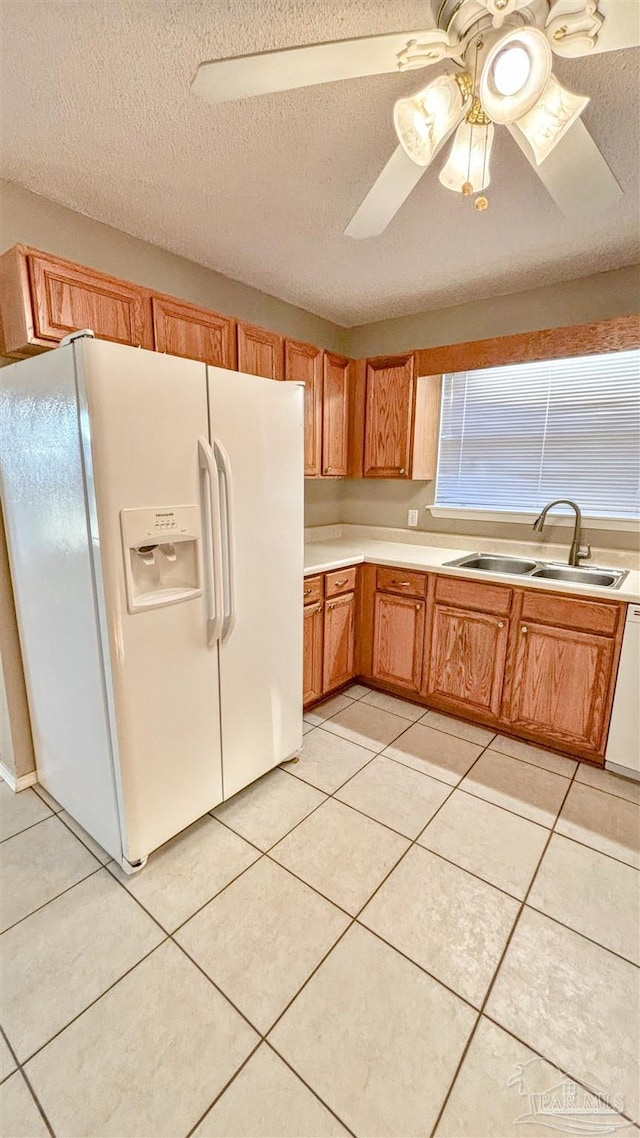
<point>187,330</point>
<point>395,419</point>
<point>303,362</point>
<point>388,414</point>
<point>335,415</point>
<point>45,298</point>
<point>260,352</point>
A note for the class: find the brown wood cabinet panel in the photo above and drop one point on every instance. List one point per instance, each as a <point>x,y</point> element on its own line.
<point>389,417</point>
<point>260,352</point>
<point>467,661</point>
<point>335,415</point>
<point>303,362</point>
<point>187,330</point>
<point>312,656</point>
<point>402,581</point>
<point>613,335</point>
<point>339,640</point>
<point>560,687</point>
<point>463,593</point>
<point>341,581</point>
<point>398,641</point>
<point>569,612</point>
<point>312,589</point>
<point>67,297</point>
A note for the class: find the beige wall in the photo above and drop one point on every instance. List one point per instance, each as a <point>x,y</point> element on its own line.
<point>32,220</point>
<point>598,297</point>
<point>582,301</point>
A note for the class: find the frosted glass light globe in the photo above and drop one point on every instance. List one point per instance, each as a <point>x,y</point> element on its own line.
<point>511,70</point>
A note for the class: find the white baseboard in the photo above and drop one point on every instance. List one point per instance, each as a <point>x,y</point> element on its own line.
<point>17,782</point>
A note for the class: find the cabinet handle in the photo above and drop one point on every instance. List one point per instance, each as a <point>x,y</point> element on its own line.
<point>343,582</point>
<point>327,470</point>
<point>401,470</point>
<point>524,629</point>
<point>307,591</point>
<point>418,606</point>
<point>404,584</point>
<point>500,624</point>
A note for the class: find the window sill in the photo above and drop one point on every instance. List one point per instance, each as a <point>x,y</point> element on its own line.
<point>527,517</point>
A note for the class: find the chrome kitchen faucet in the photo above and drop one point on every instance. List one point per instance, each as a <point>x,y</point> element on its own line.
<point>576,554</point>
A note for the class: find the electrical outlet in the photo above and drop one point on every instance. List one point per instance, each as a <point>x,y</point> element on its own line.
<point>412,519</point>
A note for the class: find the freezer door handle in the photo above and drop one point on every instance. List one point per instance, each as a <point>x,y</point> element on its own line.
<point>212,544</point>
<point>224,468</point>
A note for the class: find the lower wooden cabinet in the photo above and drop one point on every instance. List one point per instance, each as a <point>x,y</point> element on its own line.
<point>312,655</point>
<point>339,640</point>
<point>538,665</point>
<point>398,640</point>
<point>560,687</point>
<point>466,666</point>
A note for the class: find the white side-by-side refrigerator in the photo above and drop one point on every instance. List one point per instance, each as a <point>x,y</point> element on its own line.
<point>154,517</point>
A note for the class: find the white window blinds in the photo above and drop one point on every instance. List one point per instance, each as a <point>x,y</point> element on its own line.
<point>513,438</point>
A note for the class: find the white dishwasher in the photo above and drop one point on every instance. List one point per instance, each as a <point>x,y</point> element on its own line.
<point>623,745</point>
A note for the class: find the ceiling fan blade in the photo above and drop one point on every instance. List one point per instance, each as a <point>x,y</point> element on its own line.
<point>575,173</point>
<point>574,29</point>
<point>390,190</point>
<point>621,26</point>
<point>243,76</point>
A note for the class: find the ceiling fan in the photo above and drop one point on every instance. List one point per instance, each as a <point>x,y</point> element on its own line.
<point>502,51</point>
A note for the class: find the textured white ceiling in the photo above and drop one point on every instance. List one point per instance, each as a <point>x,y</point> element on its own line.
<point>98,115</point>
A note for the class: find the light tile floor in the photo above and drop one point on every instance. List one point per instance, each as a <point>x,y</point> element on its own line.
<point>417,929</point>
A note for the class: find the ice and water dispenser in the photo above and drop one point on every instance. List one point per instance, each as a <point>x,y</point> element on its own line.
<point>161,555</point>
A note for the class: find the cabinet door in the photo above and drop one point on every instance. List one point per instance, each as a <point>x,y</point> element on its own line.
<point>335,416</point>
<point>312,660</point>
<point>187,330</point>
<point>388,417</point>
<point>260,352</point>
<point>304,362</point>
<point>339,640</point>
<point>560,687</point>
<point>467,661</point>
<point>398,638</point>
<point>68,297</point>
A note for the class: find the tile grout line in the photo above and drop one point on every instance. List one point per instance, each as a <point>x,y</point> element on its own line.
<point>31,826</point>
<point>499,964</point>
<point>52,899</point>
<point>352,920</point>
<point>567,1074</point>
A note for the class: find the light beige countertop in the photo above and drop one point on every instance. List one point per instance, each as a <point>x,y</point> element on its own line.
<point>335,553</point>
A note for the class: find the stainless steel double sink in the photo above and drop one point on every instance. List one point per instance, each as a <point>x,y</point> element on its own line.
<point>549,570</point>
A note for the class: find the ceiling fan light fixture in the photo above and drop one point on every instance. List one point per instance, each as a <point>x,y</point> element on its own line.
<point>468,162</point>
<point>424,121</point>
<point>550,119</point>
<point>514,74</point>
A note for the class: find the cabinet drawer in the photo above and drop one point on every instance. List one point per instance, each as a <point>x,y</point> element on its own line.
<point>569,612</point>
<point>462,593</point>
<point>401,581</point>
<point>312,590</point>
<point>342,581</point>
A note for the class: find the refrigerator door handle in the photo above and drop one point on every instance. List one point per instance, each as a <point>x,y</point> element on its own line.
<point>224,466</point>
<point>212,541</point>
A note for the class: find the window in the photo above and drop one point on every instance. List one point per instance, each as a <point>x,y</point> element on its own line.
<point>513,438</point>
